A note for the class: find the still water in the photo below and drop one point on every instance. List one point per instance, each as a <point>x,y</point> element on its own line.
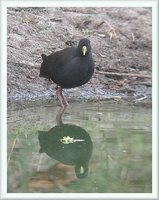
<point>88,147</point>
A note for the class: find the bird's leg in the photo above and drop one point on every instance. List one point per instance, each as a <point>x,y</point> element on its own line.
<point>59,115</point>
<point>62,99</point>
<point>59,95</point>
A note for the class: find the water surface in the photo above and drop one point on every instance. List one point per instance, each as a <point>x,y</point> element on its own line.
<point>89,148</point>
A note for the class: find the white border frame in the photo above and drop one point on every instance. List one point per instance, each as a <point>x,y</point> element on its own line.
<point>3,97</point>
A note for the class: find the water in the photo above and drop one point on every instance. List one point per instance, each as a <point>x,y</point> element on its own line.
<point>89,147</point>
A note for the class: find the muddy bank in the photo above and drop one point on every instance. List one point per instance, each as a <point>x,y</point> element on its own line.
<point>121,41</point>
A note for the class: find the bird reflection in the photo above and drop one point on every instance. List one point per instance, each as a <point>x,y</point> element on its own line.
<point>67,143</point>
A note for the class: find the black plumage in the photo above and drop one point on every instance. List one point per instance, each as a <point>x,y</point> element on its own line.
<point>76,153</point>
<point>67,143</point>
<point>69,68</point>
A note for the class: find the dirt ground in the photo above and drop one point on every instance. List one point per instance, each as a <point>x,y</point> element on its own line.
<point>121,40</point>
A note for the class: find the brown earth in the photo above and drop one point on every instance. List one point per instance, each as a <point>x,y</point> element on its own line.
<point>121,40</point>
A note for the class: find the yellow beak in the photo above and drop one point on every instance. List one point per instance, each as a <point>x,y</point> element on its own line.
<point>81,170</point>
<point>84,50</point>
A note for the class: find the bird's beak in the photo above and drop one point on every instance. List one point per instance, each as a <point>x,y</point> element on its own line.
<point>81,170</point>
<point>84,50</point>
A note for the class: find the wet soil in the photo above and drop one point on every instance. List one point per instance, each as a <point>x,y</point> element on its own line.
<point>121,40</point>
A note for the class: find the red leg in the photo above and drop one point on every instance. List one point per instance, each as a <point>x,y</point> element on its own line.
<point>62,99</point>
<point>58,94</point>
<point>59,115</point>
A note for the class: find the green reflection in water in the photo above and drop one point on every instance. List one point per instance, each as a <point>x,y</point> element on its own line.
<point>119,159</point>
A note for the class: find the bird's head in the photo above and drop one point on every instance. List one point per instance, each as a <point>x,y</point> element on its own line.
<point>84,46</point>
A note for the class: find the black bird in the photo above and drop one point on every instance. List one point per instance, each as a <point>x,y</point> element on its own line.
<point>57,144</point>
<point>68,68</point>
<point>69,144</point>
